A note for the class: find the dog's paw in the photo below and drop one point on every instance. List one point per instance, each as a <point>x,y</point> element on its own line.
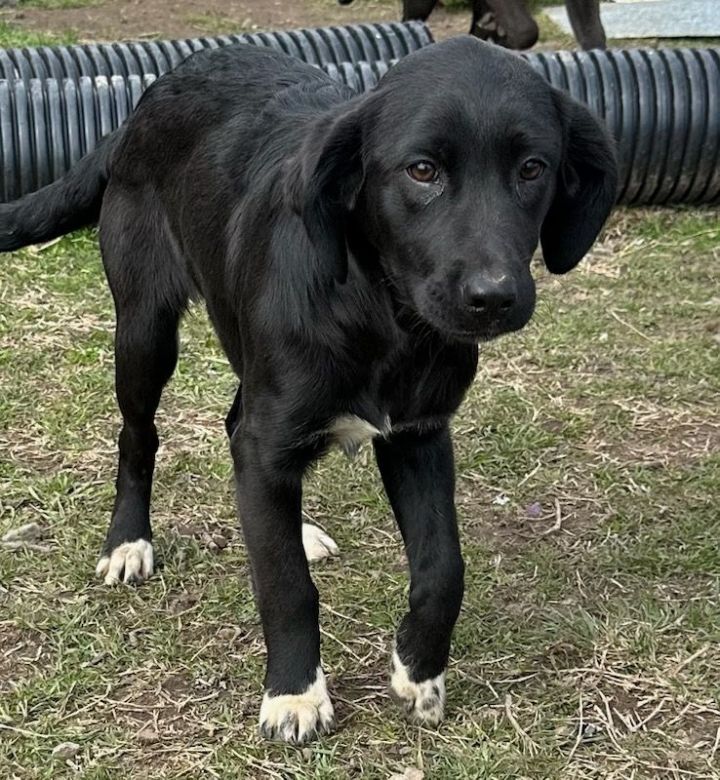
<point>423,702</point>
<point>130,562</point>
<point>298,718</point>
<point>317,543</point>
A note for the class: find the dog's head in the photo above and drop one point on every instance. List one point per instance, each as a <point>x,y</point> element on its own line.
<point>458,163</point>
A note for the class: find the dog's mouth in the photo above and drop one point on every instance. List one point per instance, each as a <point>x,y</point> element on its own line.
<point>474,336</point>
<point>458,331</point>
<point>468,332</point>
<point>457,322</point>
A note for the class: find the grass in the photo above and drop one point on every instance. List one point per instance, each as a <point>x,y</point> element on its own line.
<point>59,5</point>
<point>14,36</point>
<point>587,461</point>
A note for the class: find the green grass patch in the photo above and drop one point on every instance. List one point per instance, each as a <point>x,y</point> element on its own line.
<point>12,35</point>
<point>61,5</point>
<point>588,478</point>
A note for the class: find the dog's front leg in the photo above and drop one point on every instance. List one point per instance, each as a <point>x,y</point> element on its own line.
<point>418,473</point>
<point>296,706</point>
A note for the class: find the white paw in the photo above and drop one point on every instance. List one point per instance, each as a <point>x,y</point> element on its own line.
<point>298,718</point>
<point>424,701</point>
<point>317,543</point>
<point>131,562</point>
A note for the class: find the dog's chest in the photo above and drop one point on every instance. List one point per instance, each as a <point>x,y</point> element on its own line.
<point>349,431</point>
<point>415,390</point>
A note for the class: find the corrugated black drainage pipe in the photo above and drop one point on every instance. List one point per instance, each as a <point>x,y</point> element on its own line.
<point>321,46</point>
<point>47,125</point>
<point>663,107</point>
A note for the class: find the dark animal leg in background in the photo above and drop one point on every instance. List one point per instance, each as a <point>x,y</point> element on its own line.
<point>419,478</point>
<point>512,16</point>
<point>483,24</point>
<point>512,24</point>
<point>421,9</point>
<point>417,9</point>
<point>585,20</point>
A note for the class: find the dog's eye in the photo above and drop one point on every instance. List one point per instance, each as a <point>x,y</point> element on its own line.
<point>424,172</point>
<point>532,169</point>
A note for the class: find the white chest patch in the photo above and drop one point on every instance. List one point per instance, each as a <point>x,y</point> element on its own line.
<point>350,431</point>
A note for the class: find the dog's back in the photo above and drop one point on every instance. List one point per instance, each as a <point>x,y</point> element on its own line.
<point>211,109</point>
<point>219,100</point>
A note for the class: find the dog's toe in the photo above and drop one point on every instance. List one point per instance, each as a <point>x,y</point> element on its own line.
<point>130,562</point>
<point>298,718</point>
<point>423,702</point>
<point>317,543</point>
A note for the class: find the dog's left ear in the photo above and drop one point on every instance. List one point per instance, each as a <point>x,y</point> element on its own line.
<point>586,187</point>
<point>323,184</point>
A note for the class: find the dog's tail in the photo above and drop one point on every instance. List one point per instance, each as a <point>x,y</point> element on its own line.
<point>65,205</point>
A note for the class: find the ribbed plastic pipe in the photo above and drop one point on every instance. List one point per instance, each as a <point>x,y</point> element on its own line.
<point>663,107</point>
<point>47,125</point>
<point>361,76</point>
<point>353,43</point>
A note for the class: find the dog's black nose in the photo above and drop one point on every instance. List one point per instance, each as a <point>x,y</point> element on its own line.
<point>490,297</point>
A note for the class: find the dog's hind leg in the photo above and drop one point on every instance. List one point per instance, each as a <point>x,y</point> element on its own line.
<point>585,21</point>
<point>417,9</point>
<point>234,416</point>
<point>148,304</point>
<point>418,473</point>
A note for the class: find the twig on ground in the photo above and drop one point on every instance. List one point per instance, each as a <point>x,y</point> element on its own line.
<point>579,737</point>
<point>715,746</point>
<point>557,525</point>
<point>524,736</point>
<point>629,326</point>
<point>701,651</point>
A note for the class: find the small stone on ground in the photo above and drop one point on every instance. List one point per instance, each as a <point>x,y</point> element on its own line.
<point>65,751</point>
<point>23,533</point>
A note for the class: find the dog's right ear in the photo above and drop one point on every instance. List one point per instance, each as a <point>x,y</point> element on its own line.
<point>323,183</point>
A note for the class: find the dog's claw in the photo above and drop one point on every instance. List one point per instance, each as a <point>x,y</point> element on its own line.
<point>131,563</point>
<point>422,702</point>
<point>317,544</point>
<point>299,718</point>
<point>294,729</point>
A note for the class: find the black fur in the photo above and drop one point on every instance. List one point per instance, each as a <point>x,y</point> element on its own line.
<point>63,206</point>
<point>337,283</point>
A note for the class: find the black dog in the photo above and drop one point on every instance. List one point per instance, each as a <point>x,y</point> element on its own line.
<point>352,251</point>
